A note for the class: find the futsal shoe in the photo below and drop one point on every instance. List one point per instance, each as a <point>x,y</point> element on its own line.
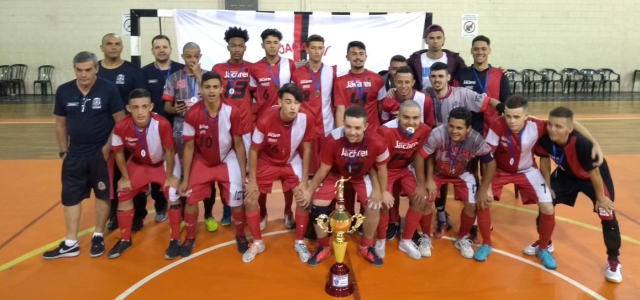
<point>318,256</point>
<point>424,246</point>
<point>482,253</point>
<point>211,224</point>
<point>289,221</point>
<point>112,224</point>
<point>97,246</point>
<point>161,216</point>
<point>370,255</point>
<point>120,247</point>
<point>392,230</point>
<point>464,245</point>
<point>408,247</point>
<point>137,225</point>
<point>254,249</point>
<point>301,248</point>
<point>380,248</point>
<point>187,247</point>
<point>535,247</point>
<point>547,259</point>
<point>226,216</point>
<point>63,251</point>
<point>174,249</point>
<point>242,244</point>
<point>614,271</point>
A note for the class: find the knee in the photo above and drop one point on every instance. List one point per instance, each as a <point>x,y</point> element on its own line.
<point>175,205</point>
<point>470,209</point>
<point>125,205</point>
<point>546,208</point>
<point>317,211</point>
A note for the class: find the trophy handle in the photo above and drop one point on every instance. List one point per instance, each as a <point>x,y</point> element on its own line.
<point>323,223</point>
<point>359,219</point>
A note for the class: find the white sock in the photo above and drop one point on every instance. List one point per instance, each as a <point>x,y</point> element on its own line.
<point>97,234</point>
<point>70,243</point>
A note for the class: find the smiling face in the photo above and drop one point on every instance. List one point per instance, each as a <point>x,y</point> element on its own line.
<point>354,129</point>
<point>404,84</point>
<point>559,128</point>
<point>161,50</point>
<point>480,51</point>
<point>357,57</point>
<point>458,129</point>
<point>439,79</point>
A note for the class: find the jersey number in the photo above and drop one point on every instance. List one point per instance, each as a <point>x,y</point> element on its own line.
<point>356,101</point>
<point>240,89</point>
<point>401,157</point>
<point>445,169</point>
<point>306,94</point>
<point>356,168</point>
<point>206,141</point>
<point>265,95</point>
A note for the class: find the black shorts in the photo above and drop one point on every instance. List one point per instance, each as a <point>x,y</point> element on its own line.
<point>567,187</point>
<point>81,174</point>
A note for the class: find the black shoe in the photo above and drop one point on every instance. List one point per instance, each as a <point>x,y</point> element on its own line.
<point>416,238</point>
<point>187,247</point>
<point>112,224</point>
<point>392,231</point>
<point>120,247</point>
<point>174,249</point>
<point>63,251</point>
<point>97,246</point>
<point>371,256</point>
<point>137,225</point>
<point>473,234</point>
<point>242,244</point>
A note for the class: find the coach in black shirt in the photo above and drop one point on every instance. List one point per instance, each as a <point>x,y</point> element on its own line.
<point>86,110</point>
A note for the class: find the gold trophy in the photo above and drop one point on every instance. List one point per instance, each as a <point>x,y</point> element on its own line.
<point>338,284</point>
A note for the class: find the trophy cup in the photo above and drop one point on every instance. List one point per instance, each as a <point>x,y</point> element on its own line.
<point>338,284</point>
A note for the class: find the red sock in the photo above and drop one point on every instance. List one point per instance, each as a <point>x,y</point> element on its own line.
<point>262,201</point>
<point>125,219</point>
<point>175,218</point>
<point>382,225</point>
<point>302,220</point>
<point>484,224</point>
<point>253,221</point>
<point>324,242</point>
<point>394,213</point>
<point>366,242</point>
<point>239,221</point>
<point>288,201</point>
<point>547,223</point>
<point>191,220</point>
<point>465,224</point>
<point>411,222</point>
<point>425,223</point>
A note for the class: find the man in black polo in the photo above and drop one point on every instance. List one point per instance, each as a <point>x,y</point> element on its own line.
<point>127,77</point>
<point>156,74</point>
<point>86,110</point>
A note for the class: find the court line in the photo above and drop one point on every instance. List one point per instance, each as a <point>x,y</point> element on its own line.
<point>166,268</point>
<point>13,237</point>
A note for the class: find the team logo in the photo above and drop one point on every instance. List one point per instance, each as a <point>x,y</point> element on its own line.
<point>153,80</point>
<point>298,47</point>
<point>120,79</point>
<point>96,103</point>
<point>101,186</point>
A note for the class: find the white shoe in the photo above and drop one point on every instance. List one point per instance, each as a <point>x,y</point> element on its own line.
<point>303,252</point>
<point>380,247</point>
<point>534,248</point>
<point>464,245</point>
<point>613,272</point>
<point>408,247</point>
<point>289,221</point>
<point>263,222</point>
<point>254,249</point>
<point>425,246</point>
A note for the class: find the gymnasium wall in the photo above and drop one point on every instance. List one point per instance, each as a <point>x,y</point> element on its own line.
<point>525,34</point>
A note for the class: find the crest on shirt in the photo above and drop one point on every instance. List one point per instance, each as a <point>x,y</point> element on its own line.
<point>96,103</point>
<point>273,137</point>
<point>120,79</point>
<point>153,80</point>
<point>102,186</point>
<point>130,141</point>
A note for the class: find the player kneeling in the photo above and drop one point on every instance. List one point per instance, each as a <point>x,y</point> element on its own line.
<point>279,132</point>
<point>213,135</point>
<point>149,137</point>
<point>453,145</point>
<point>404,137</point>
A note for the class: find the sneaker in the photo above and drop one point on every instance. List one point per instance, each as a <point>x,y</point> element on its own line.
<point>547,259</point>
<point>187,247</point>
<point>464,245</point>
<point>226,216</point>
<point>424,246</point>
<point>482,253</point>
<point>614,271</point>
<point>416,237</point>
<point>263,222</point>
<point>289,221</point>
<point>408,247</point>
<point>242,244</point>
<point>380,248</point>
<point>161,216</point>
<point>392,231</point>
<point>535,247</point>
<point>473,234</point>
<point>302,250</point>
<point>174,249</point>
<point>137,225</point>
<point>63,251</point>
<point>318,256</point>
<point>211,224</point>
<point>97,246</point>
<point>120,247</point>
<point>254,249</point>
<point>112,224</point>
<point>370,255</point>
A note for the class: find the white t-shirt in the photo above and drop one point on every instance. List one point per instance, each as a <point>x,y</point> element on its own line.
<point>426,67</point>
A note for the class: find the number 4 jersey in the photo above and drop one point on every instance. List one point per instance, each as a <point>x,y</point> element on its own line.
<point>452,158</point>
<point>403,148</point>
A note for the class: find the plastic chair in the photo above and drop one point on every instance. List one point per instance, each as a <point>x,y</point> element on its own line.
<point>45,73</point>
<point>532,77</point>
<point>515,77</point>
<point>17,74</point>
<point>549,77</point>
<point>606,77</point>
<point>570,76</point>
<point>4,79</point>
<point>589,76</point>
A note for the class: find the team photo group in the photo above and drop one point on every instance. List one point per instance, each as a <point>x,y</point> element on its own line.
<point>428,128</point>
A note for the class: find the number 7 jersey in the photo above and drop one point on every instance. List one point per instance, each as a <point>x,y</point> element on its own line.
<point>403,148</point>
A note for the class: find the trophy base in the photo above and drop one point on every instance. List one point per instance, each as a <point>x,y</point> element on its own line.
<point>339,284</point>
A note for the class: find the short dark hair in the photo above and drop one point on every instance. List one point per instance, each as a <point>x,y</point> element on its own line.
<point>210,75</point>
<point>481,38</point>
<point>294,90</point>
<point>516,101</point>
<point>356,111</point>
<point>398,58</point>
<point>315,38</point>
<point>271,32</point>
<point>160,37</point>
<point>404,69</point>
<point>561,112</point>
<point>439,66</point>
<point>461,113</point>
<point>139,93</point>
<point>236,32</point>
<point>356,44</point>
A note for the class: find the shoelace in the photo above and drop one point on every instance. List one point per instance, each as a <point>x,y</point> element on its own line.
<point>465,243</point>
<point>613,265</point>
<point>425,242</point>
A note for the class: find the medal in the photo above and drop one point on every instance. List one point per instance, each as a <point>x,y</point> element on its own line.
<point>194,99</point>
<point>509,138</point>
<point>232,79</point>
<point>277,87</point>
<point>192,88</point>
<point>359,89</point>
<point>511,161</point>
<point>275,79</point>
<point>316,83</point>
<point>317,93</point>
<point>231,91</point>
<point>454,157</point>
<point>143,153</point>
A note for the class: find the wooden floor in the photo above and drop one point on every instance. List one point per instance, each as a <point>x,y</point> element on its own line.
<point>32,222</point>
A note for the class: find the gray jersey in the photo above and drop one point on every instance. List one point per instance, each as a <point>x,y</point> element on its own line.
<point>456,97</point>
<point>452,158</point>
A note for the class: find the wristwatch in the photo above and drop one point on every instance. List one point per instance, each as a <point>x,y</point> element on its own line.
<point>62,153</point>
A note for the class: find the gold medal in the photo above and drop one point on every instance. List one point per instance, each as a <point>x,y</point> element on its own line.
<point>277,87</point>
<point>317,93</point>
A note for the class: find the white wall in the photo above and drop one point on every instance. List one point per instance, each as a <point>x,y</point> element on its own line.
<point>524,34</point>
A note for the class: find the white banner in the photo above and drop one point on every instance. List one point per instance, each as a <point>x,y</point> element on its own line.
<point>383,35</point>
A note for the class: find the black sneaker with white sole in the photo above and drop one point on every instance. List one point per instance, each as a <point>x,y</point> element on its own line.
<point>174,249</point>
<point>63,251</point>
<point>120,247</point>
<point>97,246</point>
<point>392,231</point>
<point>187,247</point>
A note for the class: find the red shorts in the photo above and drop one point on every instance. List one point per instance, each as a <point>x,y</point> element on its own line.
<point>226,174</point>
<point>530,184</point>
<point>141,175</point>
<point>327,190</point>
<point>464,187</point>
<point>405,177</point>
<point>289,174</point>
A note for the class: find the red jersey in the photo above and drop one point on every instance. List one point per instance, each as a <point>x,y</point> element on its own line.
<point>403,148</point>
<point>318,91</point>
<point>350,160</point>
<point>147,146</point>
<point>238,74</point>
<point>264,77</point>
<point>391,108</point>
<point>278,141</point>
<point>361,89</point>
<point>514,152</point>
<point>213,136</point>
